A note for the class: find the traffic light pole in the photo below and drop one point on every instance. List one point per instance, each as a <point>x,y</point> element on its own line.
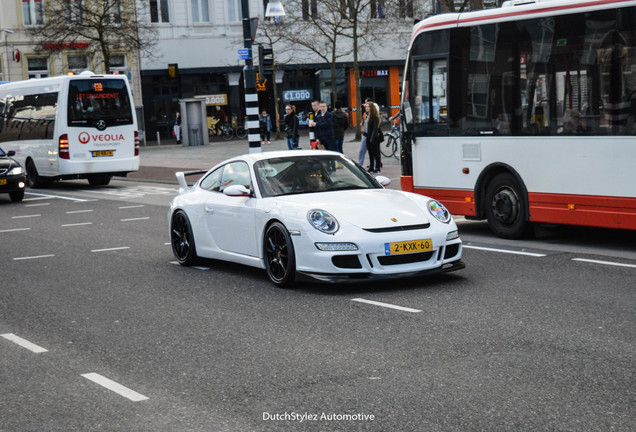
<point>249,75</point>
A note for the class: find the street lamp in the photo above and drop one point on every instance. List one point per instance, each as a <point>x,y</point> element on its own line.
<point>274,8</point>
<point>7,32</point>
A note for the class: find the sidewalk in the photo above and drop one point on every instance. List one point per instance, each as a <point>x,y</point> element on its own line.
<point>159,162</point>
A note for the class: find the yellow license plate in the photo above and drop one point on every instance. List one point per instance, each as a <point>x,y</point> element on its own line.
<point>102,153</point>
<point>3,182</point>
<point>410,246</point>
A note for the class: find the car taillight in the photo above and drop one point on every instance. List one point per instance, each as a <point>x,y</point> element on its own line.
<point>136,143</point>
<point>62,151</point>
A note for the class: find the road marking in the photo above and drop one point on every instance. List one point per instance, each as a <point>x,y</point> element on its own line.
<point>32,257</point>
<point>26,216</point>
<point>15,229</point>
<point>194,267</point>
<point>111,249</point>
<point>79,211</point>
<point>386,305</point>
<point>56,196</point>
<point>533,254</point>
<point>134,219</point>
<point>36,199</point>
<point>114,386</point>
<point>24,343</point>
<point>37,205</point>
<point>604,262</point>
<point>131,206</point>
<point>77,224</point>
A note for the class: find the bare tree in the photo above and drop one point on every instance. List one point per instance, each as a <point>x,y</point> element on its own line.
<point>112,25</point>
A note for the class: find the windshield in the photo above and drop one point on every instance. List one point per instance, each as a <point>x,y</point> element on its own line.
<point>91,100</point>
<point>2,153</point>
<point>309,174</point>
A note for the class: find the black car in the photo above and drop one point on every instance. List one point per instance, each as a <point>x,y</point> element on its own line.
<point>12,176</point>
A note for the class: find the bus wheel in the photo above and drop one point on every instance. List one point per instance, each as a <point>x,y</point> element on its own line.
<point>99,179</point>
<point>33,178</point>
<point>506,208</point>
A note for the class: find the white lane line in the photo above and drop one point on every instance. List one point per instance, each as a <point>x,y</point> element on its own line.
<point>32,257</point>
<point>604,262</point>
<point>134,219</point>
<point>37,205</point>
<point>15,229</point>
<point>76,224</point>
<point>26,216</point>
<point>24,343</point>
<point>532,254</point>
<point>79,211</point>
<point>386,305</point>
<point>194,267</point>
<point>57,196</point>
<point>131,206</point>
<point>36,199</point>
<point>116,387</point>
<point>111,249</point>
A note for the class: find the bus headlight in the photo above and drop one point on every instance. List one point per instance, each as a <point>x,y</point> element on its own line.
<point>438,211</point>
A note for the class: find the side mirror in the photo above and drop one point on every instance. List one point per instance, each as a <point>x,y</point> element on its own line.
<point>237,190</point>
<point>384,181</point>
<point>11,153</point>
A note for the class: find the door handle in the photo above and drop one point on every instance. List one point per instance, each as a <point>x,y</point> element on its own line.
<point>209,209</point>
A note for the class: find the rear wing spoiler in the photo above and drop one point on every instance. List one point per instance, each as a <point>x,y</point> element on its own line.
<point>181,175</point>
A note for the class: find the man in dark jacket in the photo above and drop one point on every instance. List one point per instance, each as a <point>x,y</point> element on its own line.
<point>340,124</point>
<point>324,128</point>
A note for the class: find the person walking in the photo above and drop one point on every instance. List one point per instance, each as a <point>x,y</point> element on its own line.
<point>363,143</point>
<point>291,127</point>
<point>374,136</point>
<point>177,127</point>
<point>340,124</point>
<point>324,128</point>
<point>265,122</point>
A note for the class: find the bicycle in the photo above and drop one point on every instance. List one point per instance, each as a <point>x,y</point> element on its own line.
<point>391,141</point>
<point>225,130</point>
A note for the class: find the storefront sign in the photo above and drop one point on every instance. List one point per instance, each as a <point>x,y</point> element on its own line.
<point>216,99</point>
<point>297,95</point>
<point>375,73</point>
<point>59,46</point>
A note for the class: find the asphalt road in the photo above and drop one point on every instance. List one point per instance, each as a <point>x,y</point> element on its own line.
<point>536,335</point>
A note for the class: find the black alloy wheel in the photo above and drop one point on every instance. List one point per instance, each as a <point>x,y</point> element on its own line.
<point>280,260</point>
<point>33,178</point>
<point>182,239</point>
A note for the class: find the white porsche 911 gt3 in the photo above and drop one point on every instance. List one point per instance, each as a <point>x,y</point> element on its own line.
<point>310,213</point>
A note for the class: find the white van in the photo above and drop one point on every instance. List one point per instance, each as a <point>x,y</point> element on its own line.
<point>69,127</point>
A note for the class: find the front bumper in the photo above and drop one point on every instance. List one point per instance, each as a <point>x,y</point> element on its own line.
<point>13,183</point>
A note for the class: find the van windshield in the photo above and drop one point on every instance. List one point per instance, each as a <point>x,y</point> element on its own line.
<point>92,100</point>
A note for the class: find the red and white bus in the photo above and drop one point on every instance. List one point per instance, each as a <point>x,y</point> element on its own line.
<point>68,127</point>
<point>525,113</point>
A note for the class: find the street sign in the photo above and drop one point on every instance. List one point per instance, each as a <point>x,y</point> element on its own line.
<point>244,54</point>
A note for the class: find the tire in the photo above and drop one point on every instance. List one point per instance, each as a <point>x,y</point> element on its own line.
<point>17,196</point>
<point>387,145</point>
<point>99,179</point>
<point>241,132</point>
<point>33,178</point>
<point>278,253</point>
<point>506,207</point>
<point>182,239</point>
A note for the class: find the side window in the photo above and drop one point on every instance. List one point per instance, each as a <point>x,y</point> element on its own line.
<point>236,173</point>
<point>213,180</point>
<point>430,94</point>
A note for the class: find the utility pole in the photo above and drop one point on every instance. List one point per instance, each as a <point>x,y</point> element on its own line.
<point>249,76</point>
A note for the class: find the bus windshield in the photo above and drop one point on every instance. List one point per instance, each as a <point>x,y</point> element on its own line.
<point>93,100</point>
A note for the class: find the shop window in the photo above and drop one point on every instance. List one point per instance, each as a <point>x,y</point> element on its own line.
<point>33,12</point>
<point>38,67</point>
<point>118,64</point>
<point>159,11</point>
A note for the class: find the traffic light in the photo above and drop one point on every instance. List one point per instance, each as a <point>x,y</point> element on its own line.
<point>265,60</point>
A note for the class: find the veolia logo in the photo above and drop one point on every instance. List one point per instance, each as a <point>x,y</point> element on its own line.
<point>84,137</point>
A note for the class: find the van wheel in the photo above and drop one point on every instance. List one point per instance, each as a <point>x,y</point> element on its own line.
<point>17,196</point>
<point>506,207</point>
<point>33,178</point>
<point>99,179</point>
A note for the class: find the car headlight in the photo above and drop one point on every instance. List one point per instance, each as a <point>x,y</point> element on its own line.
<point>323,221</point>
<point>16,171</point>
<point>438,211</point>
